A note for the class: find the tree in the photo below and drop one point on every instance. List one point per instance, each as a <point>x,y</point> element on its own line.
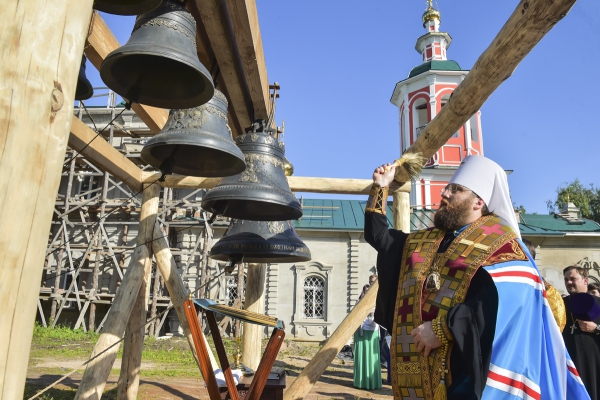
<point>586,199</point>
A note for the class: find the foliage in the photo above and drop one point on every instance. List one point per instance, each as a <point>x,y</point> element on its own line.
<point>587,199</point>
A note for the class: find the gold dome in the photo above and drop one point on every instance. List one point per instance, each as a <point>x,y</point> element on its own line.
<point>431,13</point>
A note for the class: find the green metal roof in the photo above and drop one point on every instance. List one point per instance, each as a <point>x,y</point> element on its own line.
<point>349,215</point>
<point>556,223</point>
<point>436,65</point>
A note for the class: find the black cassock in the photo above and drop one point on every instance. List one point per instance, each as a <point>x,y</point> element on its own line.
<point>472,322</point>
<point>584,349</point>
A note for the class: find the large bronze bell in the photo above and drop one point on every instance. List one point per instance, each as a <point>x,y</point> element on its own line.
<point>261,192</point>
<point>159,65</point>
<point>197,142</point>
<point>84,89</point>
<point>126,7</point>
<point>260,241</point>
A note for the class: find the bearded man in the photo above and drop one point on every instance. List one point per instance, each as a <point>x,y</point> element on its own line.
<point>464,304</point>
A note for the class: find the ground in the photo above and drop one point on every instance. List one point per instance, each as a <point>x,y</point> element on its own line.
<point>169,373</point>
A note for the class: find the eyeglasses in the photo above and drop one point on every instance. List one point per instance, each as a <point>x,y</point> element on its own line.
<point>453,188</point>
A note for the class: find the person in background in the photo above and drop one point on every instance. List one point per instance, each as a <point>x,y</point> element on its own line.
<point>367,367</point>
<point>594,289</point>
<point>555,299</point>
<point>582,338</point>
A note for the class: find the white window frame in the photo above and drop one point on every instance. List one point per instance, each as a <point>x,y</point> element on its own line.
<point>301,272</point>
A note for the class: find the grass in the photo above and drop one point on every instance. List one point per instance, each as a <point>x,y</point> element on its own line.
<point>172,357</point>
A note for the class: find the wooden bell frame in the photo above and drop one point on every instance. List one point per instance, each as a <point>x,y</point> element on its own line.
<point>209,307</point>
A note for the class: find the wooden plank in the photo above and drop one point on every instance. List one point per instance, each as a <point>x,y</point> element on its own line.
<point>297,184</point>
<point>100,153</point>
<point>216,335</point>
<point>41,46</point>
<point>319,363</point>
<point>244,17</point>
<point>214,16</point>
<point>527,25</point>
<point>99,44</point>
<point>105,350</point>
<point>191,320</point>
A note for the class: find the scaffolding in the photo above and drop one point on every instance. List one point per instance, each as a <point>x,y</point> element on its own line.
<point>95,224</point>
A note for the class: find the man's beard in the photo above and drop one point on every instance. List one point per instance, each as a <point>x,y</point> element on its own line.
<point>453,216</point>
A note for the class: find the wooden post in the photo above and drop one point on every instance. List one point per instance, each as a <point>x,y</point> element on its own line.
<point>105,351</point>
<point>319,363</point>
<point>129,378</point>
<point>401,209</point>
<point>255,301</point>
<point>41,57</point>
<point>177,291</point>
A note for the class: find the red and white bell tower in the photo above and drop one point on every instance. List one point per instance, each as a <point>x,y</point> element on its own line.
<point>420,97</point>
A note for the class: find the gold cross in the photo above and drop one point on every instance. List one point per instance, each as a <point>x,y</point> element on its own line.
<point>420,243</point>
<point>471,244</point>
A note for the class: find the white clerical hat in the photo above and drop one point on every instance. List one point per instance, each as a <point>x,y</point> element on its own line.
<point>488,180</point>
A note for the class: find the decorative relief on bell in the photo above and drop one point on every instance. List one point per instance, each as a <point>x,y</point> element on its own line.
<point>249,175</point>
<point>170,25</point>
<point>275,226</point>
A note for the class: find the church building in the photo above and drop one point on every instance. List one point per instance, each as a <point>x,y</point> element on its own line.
<point>420,97</point>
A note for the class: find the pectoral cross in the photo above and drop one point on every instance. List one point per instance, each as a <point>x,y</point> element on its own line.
<point>573,327</point>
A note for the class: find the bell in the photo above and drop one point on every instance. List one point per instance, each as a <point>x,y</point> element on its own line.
<point>260,241</point>
<point>159,65</point>
<point>126,7</point>
<point>197,142</point>
<point>261,192</point>
<point>84,88</point>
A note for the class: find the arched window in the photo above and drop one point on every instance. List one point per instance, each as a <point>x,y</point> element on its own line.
<point>420,116</point>
<point>313,300</point>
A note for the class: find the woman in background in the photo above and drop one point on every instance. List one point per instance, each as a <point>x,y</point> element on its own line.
<point>367,368</point>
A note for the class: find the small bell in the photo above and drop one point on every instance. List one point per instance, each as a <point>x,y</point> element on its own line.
<point>260,241</point>
<point>84,88</point>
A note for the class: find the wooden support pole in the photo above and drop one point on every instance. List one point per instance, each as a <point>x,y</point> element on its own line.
<point>129,378</point>
<point>527,25</point>
<point>319,363</point>
<point>41,57</point>
<point>105,351</point>
<point>177,291</point>
<point>255,302</point>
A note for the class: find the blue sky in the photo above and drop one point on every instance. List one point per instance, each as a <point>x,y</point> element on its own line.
<point>337,62</point>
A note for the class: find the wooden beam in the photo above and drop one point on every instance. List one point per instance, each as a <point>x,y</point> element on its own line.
<point>100,153</point>
<point>215,17</point>
<point>297,184</point>
<point>527,25</point>
<point>99,44</point>
<point>41,43</point>
<point>244,17</point>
